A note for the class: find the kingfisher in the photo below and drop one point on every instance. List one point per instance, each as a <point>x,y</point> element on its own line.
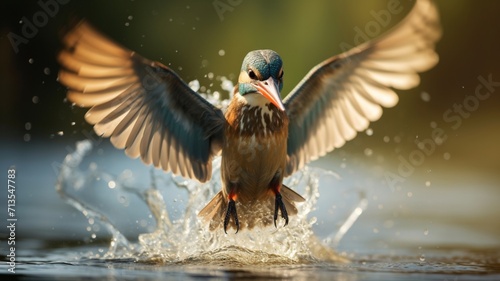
<point>145,108</point>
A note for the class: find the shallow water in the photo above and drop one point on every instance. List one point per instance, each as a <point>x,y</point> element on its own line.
<point>75,263</point>
<point>142,228</point>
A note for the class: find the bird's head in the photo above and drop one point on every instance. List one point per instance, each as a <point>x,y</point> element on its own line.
<point>262,74</point>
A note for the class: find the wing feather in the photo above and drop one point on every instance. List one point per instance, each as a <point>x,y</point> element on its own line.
<point>340,96</point>
<point>143,106</point>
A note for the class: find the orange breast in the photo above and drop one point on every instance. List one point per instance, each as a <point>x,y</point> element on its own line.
<point>254,149</point>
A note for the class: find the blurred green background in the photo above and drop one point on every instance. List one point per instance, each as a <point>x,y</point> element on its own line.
<point>190,37</point>
<point>199,37</point>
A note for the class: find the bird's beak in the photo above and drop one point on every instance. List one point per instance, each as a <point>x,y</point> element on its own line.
<point>269,89</point>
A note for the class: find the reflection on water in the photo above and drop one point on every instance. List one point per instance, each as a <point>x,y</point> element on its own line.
<point>185,238</point>
<point>72,264</point>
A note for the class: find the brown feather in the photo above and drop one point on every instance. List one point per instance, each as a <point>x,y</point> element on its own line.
<point>254,152</point>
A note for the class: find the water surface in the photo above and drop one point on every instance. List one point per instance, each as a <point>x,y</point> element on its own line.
<point>95,214</point>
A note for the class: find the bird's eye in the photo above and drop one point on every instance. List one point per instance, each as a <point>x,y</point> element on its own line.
<point>252,74</point>
<point>281,74</point>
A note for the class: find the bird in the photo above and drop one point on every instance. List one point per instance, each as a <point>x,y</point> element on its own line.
<point>145,108</point>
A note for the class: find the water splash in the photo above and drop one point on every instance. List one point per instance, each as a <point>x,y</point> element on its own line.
<point>183,237</point>
<point>187,239</point>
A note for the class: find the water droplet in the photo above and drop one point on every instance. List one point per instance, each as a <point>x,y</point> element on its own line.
<point>210,75</point>
<point>91,221</point>
<point>60,133</point>
<point>368,152</point>
<point>227,85</point>
<point>27,126</point>
<point>387,139</point>
<point>426,232</point>
<point>433,125</point>
<point>425,96</point>
<point>31,61</point>
<point>446,156</point>
<point>93,166</point>
<point>93,235</point>
<point>130,17</point>
<point>46,71</point>
<point>422,258</point>
<point>88,228</point>
<point>397,139</point>
<point>222,52</point>
<point>375,230</point>
<point>27,137</point>
<point>427,183</point>
<point>194,85</point>
<point>34,99</point>
<point>73,123</point>
<point>409,194</point>
<point>127,24</point>
<point>369,131</point>
<point>111,184</point>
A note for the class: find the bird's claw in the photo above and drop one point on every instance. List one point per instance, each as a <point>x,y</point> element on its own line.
<point>231,211</point>
<point>280,206</point>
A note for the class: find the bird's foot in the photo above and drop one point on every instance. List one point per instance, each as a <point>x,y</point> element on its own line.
<point>280,206</point>
<point>231,211</point>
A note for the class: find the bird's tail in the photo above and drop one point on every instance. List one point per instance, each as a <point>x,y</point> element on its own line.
<point>250,214</point>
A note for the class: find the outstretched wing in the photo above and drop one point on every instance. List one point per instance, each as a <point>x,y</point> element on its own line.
<point>341,95</point>
<point>142,105</point>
